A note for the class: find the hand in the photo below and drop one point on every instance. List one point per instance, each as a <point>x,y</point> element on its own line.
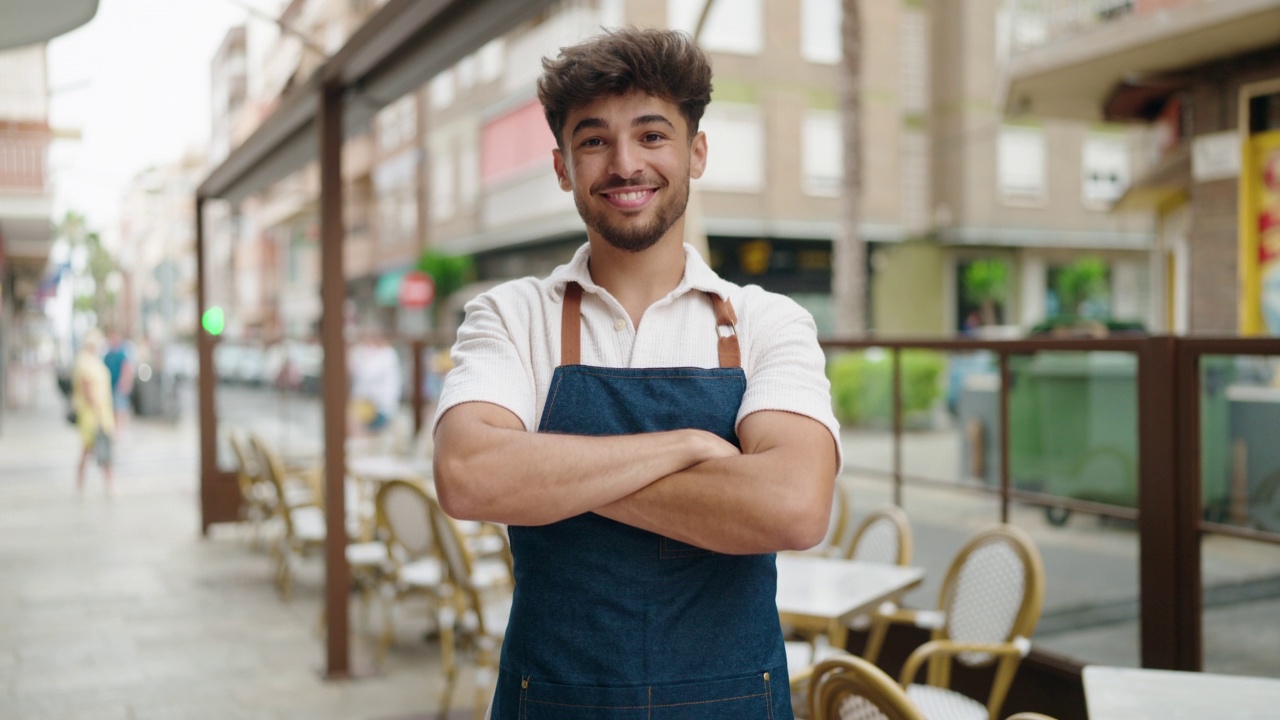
<point>709,446</point>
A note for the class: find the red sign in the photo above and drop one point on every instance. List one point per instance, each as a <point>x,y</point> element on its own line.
<point>416,290</point>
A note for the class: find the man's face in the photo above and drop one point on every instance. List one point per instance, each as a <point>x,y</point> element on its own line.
<point>628,160</point>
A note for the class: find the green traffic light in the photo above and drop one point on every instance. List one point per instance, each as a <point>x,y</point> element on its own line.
<point>213,320</point>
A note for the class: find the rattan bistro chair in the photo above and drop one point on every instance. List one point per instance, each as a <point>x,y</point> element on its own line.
<point>415,567</point>
<point>482,602</point>
<point>990,604</point>
<point>850,688</point>
<point>884,536</point>
<point>836,541</point>
<point>257,495</point>
<point>303,526</point>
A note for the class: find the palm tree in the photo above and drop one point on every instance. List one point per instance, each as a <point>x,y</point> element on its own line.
<point>849,252</point>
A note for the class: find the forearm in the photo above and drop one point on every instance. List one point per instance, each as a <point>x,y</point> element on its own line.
<point>508,475</point>
<point>775,496</point>
<point>741,505</point>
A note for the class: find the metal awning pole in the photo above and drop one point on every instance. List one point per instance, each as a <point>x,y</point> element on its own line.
<point>205,380</point>
<point>332,296</point>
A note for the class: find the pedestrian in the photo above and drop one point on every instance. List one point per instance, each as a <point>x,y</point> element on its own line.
<point>119,361</point>
<point>376,384</point>
<point>92,404</point>
<point>684,431</point>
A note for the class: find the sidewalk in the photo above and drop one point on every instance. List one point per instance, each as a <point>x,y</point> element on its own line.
<point>115,608</point>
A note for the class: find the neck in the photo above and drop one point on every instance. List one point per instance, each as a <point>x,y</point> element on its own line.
<point>639,279</point>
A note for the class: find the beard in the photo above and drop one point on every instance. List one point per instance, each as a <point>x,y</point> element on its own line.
<point>632,237</point>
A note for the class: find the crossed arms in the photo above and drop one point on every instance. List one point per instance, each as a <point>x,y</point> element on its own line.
<point>688,485</point>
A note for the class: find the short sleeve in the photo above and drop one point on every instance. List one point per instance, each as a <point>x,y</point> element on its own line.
<point>785,366</point>
<point>489,365</point>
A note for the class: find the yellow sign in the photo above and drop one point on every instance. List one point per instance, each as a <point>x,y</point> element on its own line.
<point>1260,235</point>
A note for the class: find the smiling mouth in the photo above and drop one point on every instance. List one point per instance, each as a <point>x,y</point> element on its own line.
<point>630,199</point>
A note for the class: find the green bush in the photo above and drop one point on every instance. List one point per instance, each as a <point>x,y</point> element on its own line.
<point>862,386</point>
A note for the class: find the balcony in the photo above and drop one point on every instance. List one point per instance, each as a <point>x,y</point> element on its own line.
<point>1068,58</point>
<point>26,207</point>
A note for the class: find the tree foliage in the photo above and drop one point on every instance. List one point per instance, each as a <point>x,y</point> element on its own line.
<point>449,273</point>
<point>986,284</point>
<point>1081,281</point>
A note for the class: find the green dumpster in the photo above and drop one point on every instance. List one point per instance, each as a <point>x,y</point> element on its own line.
<point>1074,428</point>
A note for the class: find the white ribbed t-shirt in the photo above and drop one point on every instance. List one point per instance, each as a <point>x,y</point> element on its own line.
<point>508,346</point>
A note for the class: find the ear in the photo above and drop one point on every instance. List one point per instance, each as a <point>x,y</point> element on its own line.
<point>562,170</point>
<point>698,155</point>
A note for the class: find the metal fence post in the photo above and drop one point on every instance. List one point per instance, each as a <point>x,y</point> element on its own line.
<point>1169,560</point>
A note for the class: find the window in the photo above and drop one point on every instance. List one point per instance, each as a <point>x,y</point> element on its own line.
<point>490,58</point>
<point>1020,163</point>
<point>441,90</point>
<point>822,153</point>
<point>1104,169</point>
<point>468,172</point>
<point>397,123</point>
<point>612,13</point>
<point>914,61</point>
<point>466,70</point>
<point>732,27</point>
<point>820,31</point>
<point>443,191</point>
<point>735,148</point>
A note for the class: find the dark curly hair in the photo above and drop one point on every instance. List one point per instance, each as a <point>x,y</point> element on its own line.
<point>662,63</point>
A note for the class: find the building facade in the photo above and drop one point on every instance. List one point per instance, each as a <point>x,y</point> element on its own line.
<point>462,167</point>
<point>947,182</point>
<point>1204,78</point>
<point>26,209</point>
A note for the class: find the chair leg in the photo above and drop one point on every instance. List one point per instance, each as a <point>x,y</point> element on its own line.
<point>388,630</point>
<point>483,680</point>
<point>448,655</point>
<point>875,640</point>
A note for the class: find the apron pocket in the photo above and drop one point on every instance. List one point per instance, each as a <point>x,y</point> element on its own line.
<point>749,697</point>
<point>669,549</point>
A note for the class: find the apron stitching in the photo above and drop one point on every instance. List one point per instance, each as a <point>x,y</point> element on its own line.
<point>554,392</point>
<point>650,705</point>
<point>768,690</point>
<point>709,702</point>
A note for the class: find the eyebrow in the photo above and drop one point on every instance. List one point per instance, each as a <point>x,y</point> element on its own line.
<point>596,123</point>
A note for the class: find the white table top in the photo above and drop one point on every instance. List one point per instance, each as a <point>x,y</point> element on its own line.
<point>380,468</point>
<point>834,589</point>
<point>1113,693</point>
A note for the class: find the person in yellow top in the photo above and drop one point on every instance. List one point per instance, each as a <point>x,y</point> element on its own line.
<point>91,400</point>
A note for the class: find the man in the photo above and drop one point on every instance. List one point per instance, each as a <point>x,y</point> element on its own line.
<point>684,425</point>
<point>375,383</point>
<point>119,360</point>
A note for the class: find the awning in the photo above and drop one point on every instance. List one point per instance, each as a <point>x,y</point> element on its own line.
<point>386,293</point>
<point>1076,71</point>
<point>27,22</point>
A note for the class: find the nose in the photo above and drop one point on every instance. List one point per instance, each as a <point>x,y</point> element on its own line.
<point>626,160</point>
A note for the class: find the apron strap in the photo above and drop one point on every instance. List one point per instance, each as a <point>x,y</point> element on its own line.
<point>571,328</point>
<point>727,331</point>
<point>571,325</point>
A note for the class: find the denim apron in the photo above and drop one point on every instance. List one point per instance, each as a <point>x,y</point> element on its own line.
<point>610,621</point>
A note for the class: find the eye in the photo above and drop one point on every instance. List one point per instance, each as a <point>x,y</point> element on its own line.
<point>591,142</point>
<point>652,137</point>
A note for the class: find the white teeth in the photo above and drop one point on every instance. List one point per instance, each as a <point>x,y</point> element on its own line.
<point>631,196</point>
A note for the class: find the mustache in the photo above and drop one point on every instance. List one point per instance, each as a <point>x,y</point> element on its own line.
<point>617,182</point>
